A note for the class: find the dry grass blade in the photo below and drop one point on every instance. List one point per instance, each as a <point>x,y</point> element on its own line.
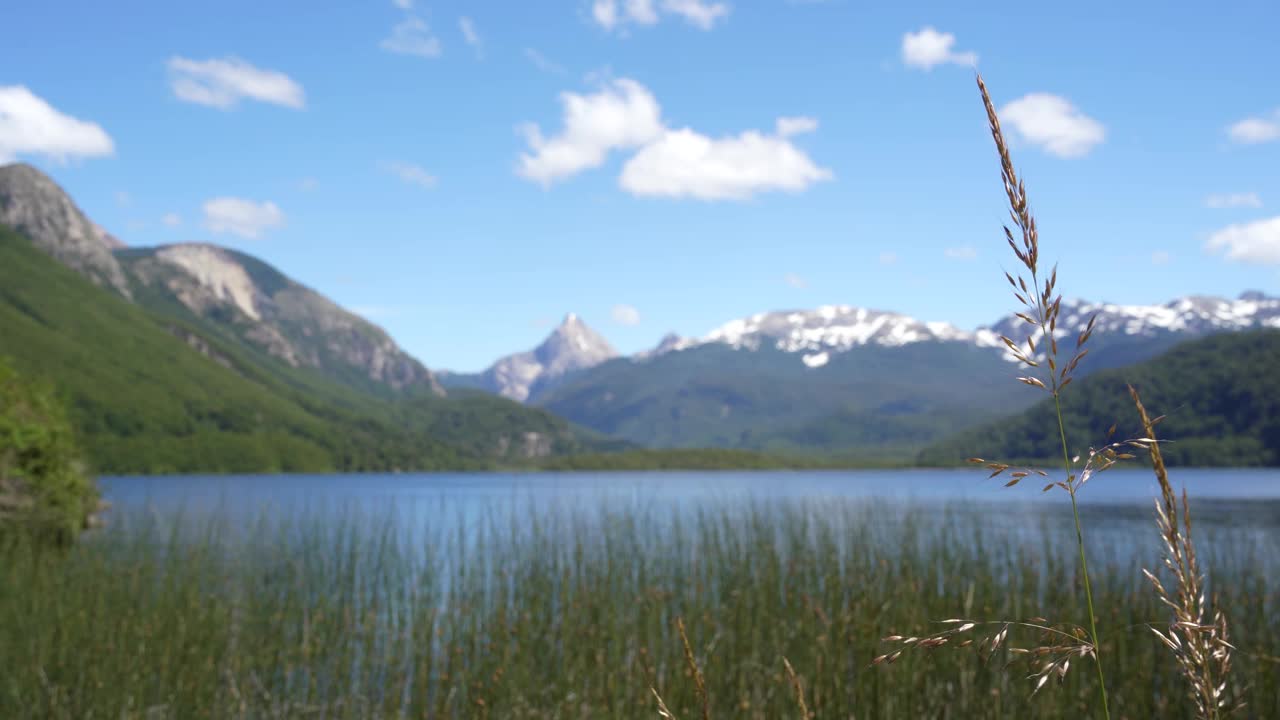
<point>1203,650</point>
<point>1049,658</point>
<point>799,688</point>
<point>663,711</point>
<point>698,680</point>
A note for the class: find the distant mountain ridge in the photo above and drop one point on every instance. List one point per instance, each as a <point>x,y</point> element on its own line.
<point>843,379</point>
<point>817,334</point>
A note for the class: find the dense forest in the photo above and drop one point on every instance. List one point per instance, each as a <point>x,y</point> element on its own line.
<point>1220,396</point>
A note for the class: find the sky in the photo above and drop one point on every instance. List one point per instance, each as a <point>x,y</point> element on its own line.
<point>466,173</point>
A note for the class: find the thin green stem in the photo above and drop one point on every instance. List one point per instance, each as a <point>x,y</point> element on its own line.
<point>1084,564</point>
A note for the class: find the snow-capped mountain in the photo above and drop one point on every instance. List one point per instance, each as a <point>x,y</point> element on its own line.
<point>1192,315</point>
<point>817,335</point>
<point>570,347</point>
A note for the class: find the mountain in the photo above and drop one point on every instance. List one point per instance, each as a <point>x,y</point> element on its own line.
<point>1220,395</point>
<point>819,334</point>
<point>204,360</point>
<point>1126,334</point>
<point>1129,330</point>
<point>842,379</point>
<point>570,348</point>
<point>869,400</point>
<point>258,305</point>
<point>34,205</point>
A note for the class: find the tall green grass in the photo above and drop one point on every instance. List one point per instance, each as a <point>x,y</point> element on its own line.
<point>572,615</point>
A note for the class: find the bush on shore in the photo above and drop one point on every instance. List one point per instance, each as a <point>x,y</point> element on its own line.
<point>44,489</point>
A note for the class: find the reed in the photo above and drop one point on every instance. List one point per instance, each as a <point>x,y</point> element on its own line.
<point>573,616</point>
<point>1202,649</point>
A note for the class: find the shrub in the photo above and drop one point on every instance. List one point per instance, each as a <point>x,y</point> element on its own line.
<point>44,490</point>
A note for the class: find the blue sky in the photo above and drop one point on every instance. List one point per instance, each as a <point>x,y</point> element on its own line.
<point>694,161</point>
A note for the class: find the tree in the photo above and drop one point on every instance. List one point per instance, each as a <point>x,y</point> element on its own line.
<point>44,489</point>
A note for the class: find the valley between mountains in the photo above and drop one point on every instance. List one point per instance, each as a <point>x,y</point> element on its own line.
<point>197,358</point>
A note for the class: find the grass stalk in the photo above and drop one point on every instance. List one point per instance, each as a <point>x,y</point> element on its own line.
<point>1084,562</point>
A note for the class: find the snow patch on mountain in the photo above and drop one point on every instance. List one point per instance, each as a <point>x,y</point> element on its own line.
<point>820,333</point>
<point>830,328</point>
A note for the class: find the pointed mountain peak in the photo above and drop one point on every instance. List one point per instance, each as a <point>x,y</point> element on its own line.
<point>570,347</point>
<point>35,206</point>
<point>573,345</point>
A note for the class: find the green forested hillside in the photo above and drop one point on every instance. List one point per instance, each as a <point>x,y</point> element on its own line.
<point>1221,396</point>
<point>870,402</point>
<point>151,393</point>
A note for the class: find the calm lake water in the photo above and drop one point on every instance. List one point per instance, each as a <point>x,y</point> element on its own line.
<point>287,493</point>
<point>1237,512</point>
<point>447,501</point>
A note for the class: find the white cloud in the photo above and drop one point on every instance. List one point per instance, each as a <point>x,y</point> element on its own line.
<point>605,13</point>
<point>1233,200</point>
<point>700,13</point>
<point>412,36</point>
<point>626,315</point>
<point>411,174</point>
<point>623,114</point>
<point>888,258</point>
<point>795,281</point>
<point>684,163</point>
<point>238,216</point>
<point>669,163</point>
<point>541,62</point>
<point>614,14</point>
<point>1160,257</point>
<point>788,126</point>
<point>31,126</point>
<point>1255,130</point>
<point>469,34</point>
<point>403,4</point>
<point>966,252</point>
<point>1255,242</point>
<point>928,48</point>
<point>223,83</point>
<point>172,219</point>
<point>1053,124</point>
<point>641,11</point>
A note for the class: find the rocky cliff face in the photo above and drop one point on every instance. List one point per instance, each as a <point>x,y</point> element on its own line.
<point>256,302</point>
<point>570,347</point>
<point>275,314</point>
<point>34,205</point>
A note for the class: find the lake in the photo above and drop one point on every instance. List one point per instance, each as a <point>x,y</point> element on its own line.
<point>253,492</point>
<point>558,595</point>
<point>1242,503</point>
